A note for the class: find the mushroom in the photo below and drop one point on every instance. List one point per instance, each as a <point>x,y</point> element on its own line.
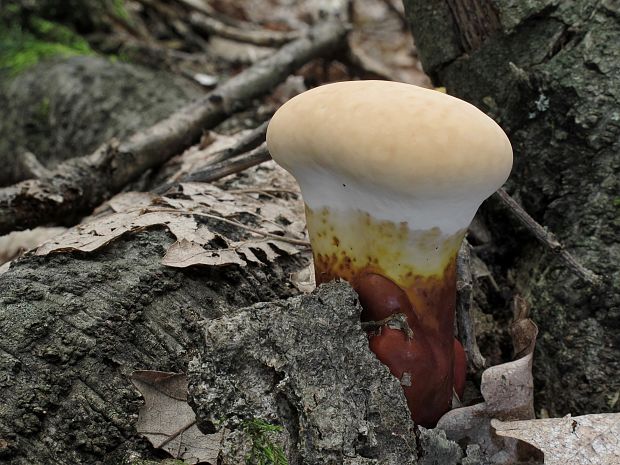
<point>391,175</point>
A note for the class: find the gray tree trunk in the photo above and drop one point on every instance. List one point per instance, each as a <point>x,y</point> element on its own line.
<point>549,73</point>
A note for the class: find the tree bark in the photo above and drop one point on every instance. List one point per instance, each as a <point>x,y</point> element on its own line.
<point>74,326</point>
<point>548,73</point>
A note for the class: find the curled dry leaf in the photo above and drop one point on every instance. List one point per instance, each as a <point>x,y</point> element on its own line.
<point>508,392</point>
<point>168,422</point>
<point>304,280</point>
<point>584,440</point>
<point>213,226</point>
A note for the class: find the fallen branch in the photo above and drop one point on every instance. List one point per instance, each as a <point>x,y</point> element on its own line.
<point>464,319</point>
<point>547,238</point>
<point>78,185</point>
<point>262,37</point>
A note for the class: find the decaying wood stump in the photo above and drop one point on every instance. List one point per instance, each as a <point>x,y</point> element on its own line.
<point>549,72</point>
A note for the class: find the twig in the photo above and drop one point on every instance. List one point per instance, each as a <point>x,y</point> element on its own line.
<point>79,184</point>
<point>258,190</point>
<point>260,37</point>
<point>464,318</point>
<point>398,320</point>
<point>31,165</point>
<point>290,240</point>
<point>249,141</point>
<point>230,166</point>
<point>224,168</point>
<point>547,238</point>
<point>199,5</point>
<point>177,433</point>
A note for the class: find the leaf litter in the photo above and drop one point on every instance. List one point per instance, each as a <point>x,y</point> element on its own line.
<point>584,440</point>
<point>508,392</point>
<point>213,226</point>
<point>167,420</point>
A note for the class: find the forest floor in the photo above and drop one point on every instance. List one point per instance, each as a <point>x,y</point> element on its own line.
<point>79,79</point>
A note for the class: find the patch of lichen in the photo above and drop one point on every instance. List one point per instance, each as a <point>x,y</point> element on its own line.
<point>264,450</point>
<point>22,46</point>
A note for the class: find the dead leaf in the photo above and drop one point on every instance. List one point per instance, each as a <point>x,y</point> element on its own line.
<point>508,391</point>
<point>14,244</point>
<point>584,440</point>
<point>168,422</point>
<point>304,280</point>
<point>130,201</point>
<point>213,226</point>
<point>185,253</point>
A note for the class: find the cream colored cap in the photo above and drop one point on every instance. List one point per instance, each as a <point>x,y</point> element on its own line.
<point>392,136</point>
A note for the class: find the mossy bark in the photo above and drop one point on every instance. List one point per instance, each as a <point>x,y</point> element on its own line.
<point>549,73</point>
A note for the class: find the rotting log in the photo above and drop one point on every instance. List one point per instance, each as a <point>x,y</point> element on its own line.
<point>548,73</point>
<point>74,326</point>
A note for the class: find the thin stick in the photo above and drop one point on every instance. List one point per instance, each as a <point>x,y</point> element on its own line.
<point>219,170</point>
<point>547,238</point>
<point>397,319</point>
<point>178,432</point>
<point>230,166</point>
<point>249,141</point>
<point>464,318</point>
<point>260,37</point>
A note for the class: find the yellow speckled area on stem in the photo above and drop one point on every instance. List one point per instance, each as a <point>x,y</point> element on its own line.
<point>354,240</point>
<point>347,245</point>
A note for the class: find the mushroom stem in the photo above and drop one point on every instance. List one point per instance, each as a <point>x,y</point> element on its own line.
<point>357,247</point>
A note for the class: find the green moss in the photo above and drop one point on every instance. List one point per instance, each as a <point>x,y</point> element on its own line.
<point>118,7</point>
<point>21,48</point>
<point>264,451</point>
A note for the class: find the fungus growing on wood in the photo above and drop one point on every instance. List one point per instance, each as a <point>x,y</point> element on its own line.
<point>391,175</point>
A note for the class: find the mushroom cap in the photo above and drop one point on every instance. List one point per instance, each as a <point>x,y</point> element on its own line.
<point>396,138</point>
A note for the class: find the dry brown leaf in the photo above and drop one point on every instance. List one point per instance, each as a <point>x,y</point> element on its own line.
<point>168,422</point>
<point>130,201</point>
<point>16,243</point>
<point>508,391</point>
<point>213,226</point>
<point>584,440</point>
<point>90,236</point>
<point>304,280</point>
<point>185,253</point>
